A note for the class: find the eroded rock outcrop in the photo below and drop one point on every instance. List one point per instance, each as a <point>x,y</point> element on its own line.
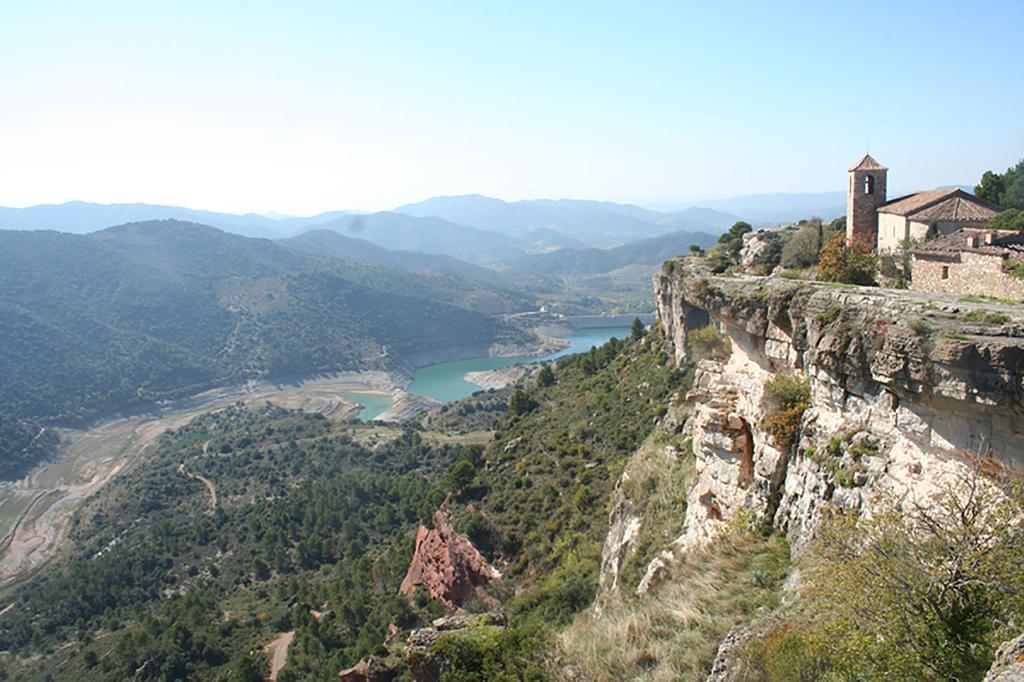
<point>448,566</point>
<point>1009,663</point>
<point>906,390</point>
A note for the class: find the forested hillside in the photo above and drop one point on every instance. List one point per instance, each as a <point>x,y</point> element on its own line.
<point>163,583</point>
<point>311,532</point>
<point>154,311</point>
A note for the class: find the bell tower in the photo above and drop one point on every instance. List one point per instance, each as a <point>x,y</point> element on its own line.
<point>864,194</point>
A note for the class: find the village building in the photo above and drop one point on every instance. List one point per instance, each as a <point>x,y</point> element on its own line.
<point>883,225</point>
<point>971,261</point>
<point>952,251</point>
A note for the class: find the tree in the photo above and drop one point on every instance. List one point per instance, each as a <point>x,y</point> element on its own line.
<point>695,248</point>
<point>1005,189</point>
<point>636,330</point>
<point>801,251</point>
<point>460,474</point>
<point>921,589</point>
<point>732,241</point>
<point>1010,219</point>
<point>839,262</point>
<point>546,377</point>
<point>521,403</point>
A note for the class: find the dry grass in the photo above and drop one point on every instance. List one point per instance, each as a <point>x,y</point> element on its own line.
<point>672,633</point>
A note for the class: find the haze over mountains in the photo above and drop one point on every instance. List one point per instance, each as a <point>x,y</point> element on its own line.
<point>472,227</point>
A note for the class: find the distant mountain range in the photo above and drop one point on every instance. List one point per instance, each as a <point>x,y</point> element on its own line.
<point>590,223</point>
<point>653,251</point>
<point>473,228</point>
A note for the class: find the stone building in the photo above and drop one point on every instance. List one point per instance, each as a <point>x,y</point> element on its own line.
<point>882,225</point>
<point>865,193</point>
<point>971,261</point>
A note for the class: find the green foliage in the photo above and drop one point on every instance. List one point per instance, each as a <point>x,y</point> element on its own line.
<point>1005,189</point>
<point>128,316</point>
<point>786,397</point>
<point>895,267</point>
<point>732,241</point>
<point>550,472</point>
<point>491,653</point>
<point>919,593</point>
<point>1014,267</point>
<point>1010,219</point>
<point>838,262</point>
<point>521,403</point>
<point>801,251</point>
<point>23,443</point>
<point>770,255</point>
<point>718,259</point>
<point>986,316</point>
<point>707,343</point>
<point>636,330</point>
<point>546,377</point>
<point>827,317</point>
<point>306,517</point>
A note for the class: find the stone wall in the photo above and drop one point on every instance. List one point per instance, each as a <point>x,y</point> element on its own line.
<point>971,274</point>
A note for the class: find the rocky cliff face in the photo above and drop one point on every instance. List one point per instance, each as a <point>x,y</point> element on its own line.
<point>905,391</point>
<point>448,566</point>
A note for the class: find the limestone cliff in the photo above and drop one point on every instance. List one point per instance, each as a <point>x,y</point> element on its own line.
<point>905,390</point>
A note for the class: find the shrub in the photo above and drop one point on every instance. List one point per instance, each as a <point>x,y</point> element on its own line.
<point>707,343</point>
<point>829,316</point>
<point>1014,267</point>
<point>786,397</point>
<point>802,250</point>
<point>1010,219</point>
<point>924,593</point>
<point>838,262</point>
<point>986,317</point>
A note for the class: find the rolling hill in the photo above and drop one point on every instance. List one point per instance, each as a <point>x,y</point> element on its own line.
<point>652,252</point>
<point>595,223</point>
<point>428,234</point>
<point>150,311</point>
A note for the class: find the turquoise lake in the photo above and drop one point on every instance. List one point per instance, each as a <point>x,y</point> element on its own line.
<point>444,381</point>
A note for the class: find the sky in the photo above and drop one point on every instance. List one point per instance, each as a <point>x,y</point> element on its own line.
<point>300,107</point>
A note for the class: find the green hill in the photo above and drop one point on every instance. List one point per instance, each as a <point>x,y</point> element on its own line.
<point>152,311</point>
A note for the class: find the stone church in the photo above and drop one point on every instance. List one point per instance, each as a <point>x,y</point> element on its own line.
<point>882,224</point>
<point>954,251</point>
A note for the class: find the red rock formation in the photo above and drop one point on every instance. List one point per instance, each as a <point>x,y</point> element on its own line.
<point>448,566</point>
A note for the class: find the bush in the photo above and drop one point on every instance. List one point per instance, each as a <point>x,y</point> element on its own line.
<point>707,343</point>
<point>802,250</point>
<point>786,397</point>
<point>1010,219</point>
<point>919,593</point>
<point>838,262</point>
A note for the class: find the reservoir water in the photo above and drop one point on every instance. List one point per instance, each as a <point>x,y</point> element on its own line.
<point>445,381</point>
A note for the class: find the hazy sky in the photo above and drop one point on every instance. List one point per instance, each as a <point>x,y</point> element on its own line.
<point>305,106</point>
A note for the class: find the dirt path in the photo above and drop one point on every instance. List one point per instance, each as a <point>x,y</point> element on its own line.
<point>278,652</point>
<point>89,459</point>
<point>205,481</point>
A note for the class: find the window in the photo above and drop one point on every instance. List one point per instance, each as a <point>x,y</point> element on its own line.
<point>945,272</point>
<point>869,184</point>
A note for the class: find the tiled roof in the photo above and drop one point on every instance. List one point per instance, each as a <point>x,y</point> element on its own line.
<point>867,163</point>
<point>962,206</point>
<point>1005,243</point>
<point>912,203</point>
